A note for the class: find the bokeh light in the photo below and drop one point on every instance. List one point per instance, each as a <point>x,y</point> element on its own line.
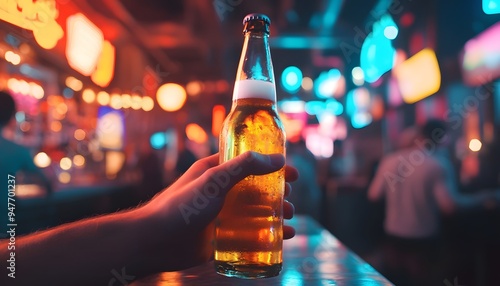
<point>65,163</point>
<point>79,134</point>
<point>116,101</point>
<point>64,177</point>
<point>147,103</point>
<point>196,134</point>
<point>42,160</point>
<point>171,96</point>
<point>88,95</point>
<point>475,145</point>
<point>79,161</point>
<point>291,79</point>
<point>158,140</point>
<point>307,83</point>
<point>103,98</point>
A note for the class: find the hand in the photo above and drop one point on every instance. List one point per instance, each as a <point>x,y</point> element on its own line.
<point>183,213</point>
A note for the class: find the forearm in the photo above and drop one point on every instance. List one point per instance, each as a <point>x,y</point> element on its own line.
<point>466,202</point>
<point>80,253</point>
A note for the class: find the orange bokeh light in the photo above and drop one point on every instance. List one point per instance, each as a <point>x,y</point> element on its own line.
<point>171,96</point>
<point>218,116</point>
<point>419,76</point>
<point>105,69</point>
<point>195,133</point>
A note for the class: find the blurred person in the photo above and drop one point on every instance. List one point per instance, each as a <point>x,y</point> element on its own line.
<point>407,138</point>
<point>307,195</point>
<point>150,167</point>
<point>154,237</point>
<point>14,158</point>
<point>419,185</point>
<point>185,157</point>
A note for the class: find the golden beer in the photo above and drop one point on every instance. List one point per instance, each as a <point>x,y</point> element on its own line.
<point>249,229</point>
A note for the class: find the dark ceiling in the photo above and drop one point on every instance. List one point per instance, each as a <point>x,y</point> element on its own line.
<point>199,38</point>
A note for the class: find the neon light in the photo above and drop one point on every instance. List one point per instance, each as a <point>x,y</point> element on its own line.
<point>481,60</point>
<point>358,100</point>
<point>291,79</point>
<point>391,32</point>
<point>37,16</point>
<point>358,76</point>
<point>105,69</point>
<point>390,29</point>
<point>328,83</point>
<point>195,133</point>
<point>335,107</point>
<point>158,140</point>
<point>377,57</point>
<point>377,53</point>
<point>491,6</point>
<point>314,107</point>
<point>419,76</point>
<point>84,44</point>
<point>292,106</point>
<point>114,162</point>
<point>218,116</point>
<point>320,146</point>
<point>110,128</point>
<point>361,120</point>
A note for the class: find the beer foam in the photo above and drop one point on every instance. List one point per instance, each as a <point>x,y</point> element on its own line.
<point>249,88</point>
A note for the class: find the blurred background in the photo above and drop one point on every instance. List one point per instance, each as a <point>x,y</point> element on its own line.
<point>117,98</point>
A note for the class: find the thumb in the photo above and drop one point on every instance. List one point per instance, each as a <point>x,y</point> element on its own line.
<point>211,187</point>
<point>222,178</point>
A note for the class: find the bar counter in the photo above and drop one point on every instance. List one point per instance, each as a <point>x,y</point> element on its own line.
<point>313,257</point>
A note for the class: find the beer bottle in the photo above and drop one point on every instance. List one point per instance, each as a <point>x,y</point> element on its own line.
<point>248,230</point>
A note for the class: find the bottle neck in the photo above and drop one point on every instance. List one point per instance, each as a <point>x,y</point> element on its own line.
<point>255,76</point>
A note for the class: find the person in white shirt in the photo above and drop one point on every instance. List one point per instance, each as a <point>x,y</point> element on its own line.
<point>419,185</point>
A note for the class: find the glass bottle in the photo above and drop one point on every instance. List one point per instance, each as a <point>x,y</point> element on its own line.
<point>249,228</point>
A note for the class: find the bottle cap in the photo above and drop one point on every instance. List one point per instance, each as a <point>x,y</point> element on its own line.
<point>256,23</point>
<point>257,16</point>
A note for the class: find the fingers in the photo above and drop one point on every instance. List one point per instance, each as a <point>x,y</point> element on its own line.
<point>288,232</point>
<point>291,174</point>
<point>288,209</point>
<point>202,165</point>
<point>224,176</point>
<point>288,189</point>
